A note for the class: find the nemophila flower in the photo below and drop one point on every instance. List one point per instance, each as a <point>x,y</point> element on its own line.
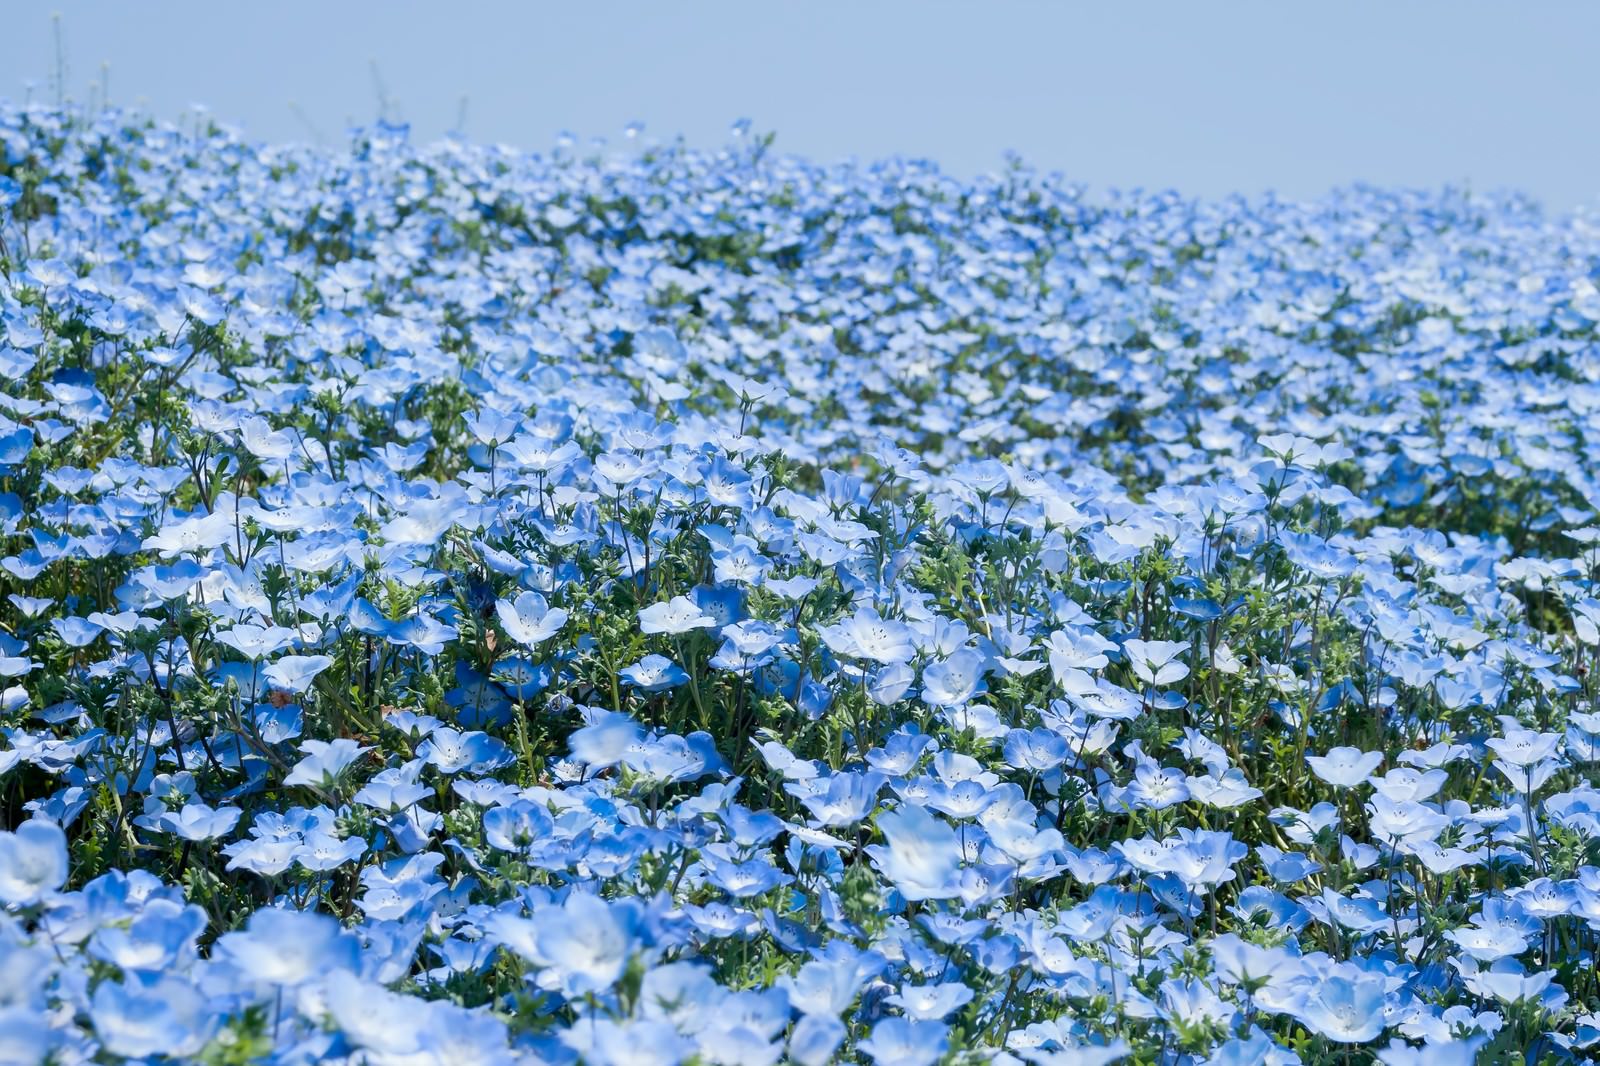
<point>1229,791</point>
<point>1287,866</point>
<point>33,862</point>
<point>902,1041</point>
<point>320,852</point>
<point>841,799</point>
<point>921,856</point>
<point>289,948</point>
<point>1035,750</point>
<point>867,635</point>
<point>675,758</point>
<point>197,821</point>
<point>823,987</point>
<point>1318,558</point>
<point>742,879</point>
<point>477,700</point>
<point>654,673</point>
<point>723,604</point>
<point>1346,1010</point>
<point>1156,787</point>
<point>325,762</point>
<point>516,826</point>
<point>815,1038</point>
<point>674,617</point>
<point>1523,747</point>
<point>76,632</point>
<point>931,1002</point>
<point>520,679</point>
<point>1077,650</point>
<point>25,1035</point>
<point>1153,662</point>
<point>614,1043</point>
<point>170,1018</point>
<point>953,681</point>
<point>585,943</point>
<point>1405,820</point>
<point>257,642</point>
<point>1345,767</point>
<point>15,445</point>
<point>529,620</point>
<point>1363,914</point>
<point>171,582</point>
<point>1406,783</point>
<point>1440,1052</point>
<point>450,751</point>
<point>742,564</point>
<point>266,857</point>
<point>294,673</point>
<point>1528,779</point>
<point>606,739</point>
<point>162,936</point>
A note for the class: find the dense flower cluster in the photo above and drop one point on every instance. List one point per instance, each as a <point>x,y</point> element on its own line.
<point>463,606</point>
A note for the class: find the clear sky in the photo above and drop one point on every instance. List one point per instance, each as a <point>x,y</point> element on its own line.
<point>1208,98</point>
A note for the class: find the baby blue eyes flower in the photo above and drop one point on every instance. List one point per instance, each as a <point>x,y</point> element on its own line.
<point>33,862</point>
<point>675,617</point>
<point>815,1039</point>
<point>15,446</point>
<point>654,673</point>
<point>946,570</point>
<point>645,1042</point>
<point>843,799</point>
<point>162,937</point>
<point>170,1018</point>
<point>529,620</point>
<point>1036,750</point>
<point>257,642</point>
<point>921,856</point>
<point>931,1002</point>
<point>605,740</point>
<point>1345,767</point>
<point>1346,1010</point>
<point>585,943</point>
<point>451,751</point>
<point>517,826</point>
<point>294,673</point>
<point>1154,661</point>
<point>76,632</point>
<point>1433,1053</point>
<point>289,948</point>
<point>954,681</point>
<point>197,821</point>
<point>325,762</point>
<point>867,635</point>
<point>25,1034</point>
<point>902,1042</point>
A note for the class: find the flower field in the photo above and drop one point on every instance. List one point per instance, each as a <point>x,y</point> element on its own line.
<point>466,606</point>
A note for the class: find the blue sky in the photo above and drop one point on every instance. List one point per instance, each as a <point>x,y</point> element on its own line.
<point>1205,98</point>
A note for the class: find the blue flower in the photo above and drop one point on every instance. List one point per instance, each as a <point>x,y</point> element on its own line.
<point>654,673</point>
<point>921,856</point>
<point>901,1042</point>
<point>1346,1010</point>
<point>169,1018</point>
<point>325,762</point>
<point>289,948</point>
<point>450,751</point>
<point>33,862</point>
